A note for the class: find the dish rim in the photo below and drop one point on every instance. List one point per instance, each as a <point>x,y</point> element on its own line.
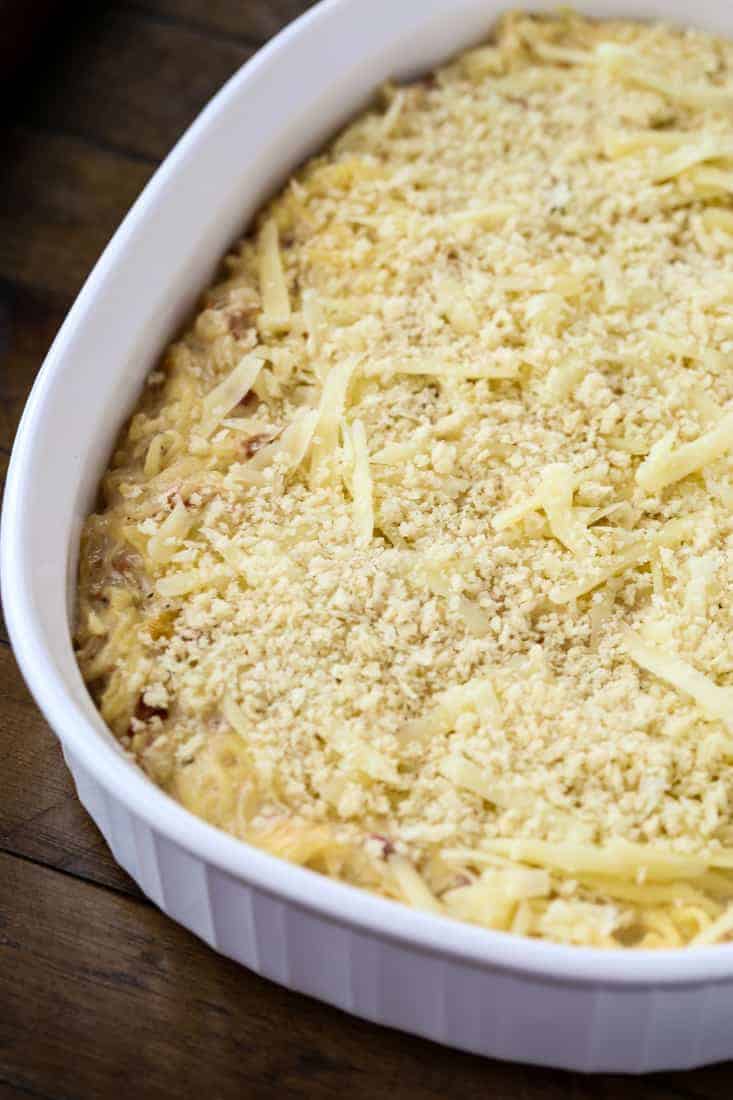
<point>308,890</point>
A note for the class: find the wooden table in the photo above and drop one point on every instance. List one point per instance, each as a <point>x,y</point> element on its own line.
<point>100,994</point>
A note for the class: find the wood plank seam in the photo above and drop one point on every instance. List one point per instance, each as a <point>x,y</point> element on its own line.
<point>89,139</point>
<point>24,1090</point>
<point>77,876</point>
<point>229,38</point>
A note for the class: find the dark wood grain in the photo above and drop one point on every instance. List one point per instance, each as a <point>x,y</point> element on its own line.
<point>40,816</point>
<point>154,75</point>
<point>62,200</point>
<point>29,320</point>
<point>22,27</point>
<point>127,1002</point>
<point>100,995</point>
<point>248,21</point>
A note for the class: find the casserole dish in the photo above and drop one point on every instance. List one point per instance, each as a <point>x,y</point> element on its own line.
<point>486,992</point>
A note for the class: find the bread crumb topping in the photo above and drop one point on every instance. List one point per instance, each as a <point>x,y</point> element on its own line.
<point>413,564</point>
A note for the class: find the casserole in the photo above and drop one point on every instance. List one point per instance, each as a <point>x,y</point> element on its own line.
<point>486,992</point>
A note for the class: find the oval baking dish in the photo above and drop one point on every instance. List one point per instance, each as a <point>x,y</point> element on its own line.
<point>487,992</point>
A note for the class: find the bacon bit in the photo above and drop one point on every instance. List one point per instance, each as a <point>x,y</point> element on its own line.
<point>124,561</point>
<point>255,442</point>
<point>241,321</point>
<point>144,712</point>
<point>388,847</point>
<point>249,401</point>
<point>174,495</point>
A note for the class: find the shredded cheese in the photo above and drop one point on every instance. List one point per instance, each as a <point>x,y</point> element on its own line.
<point>291,447</point>
<point>618,858</point>
<point>558,485</point>
<point>412,886</point>
<point>715,701</point>
<point>229,393</point>
<point>167,541</point>
<point>687,157</point>
<point>637,553</point>
<point>412,564</point>
<point>330,412</point>
<point>625,62</point>
<point>273,287</point>
<point>441,718</point>
<point>666,464</point>
<point>362,484</point>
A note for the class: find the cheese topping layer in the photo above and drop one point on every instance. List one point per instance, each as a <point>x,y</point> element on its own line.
<point>414,563</point>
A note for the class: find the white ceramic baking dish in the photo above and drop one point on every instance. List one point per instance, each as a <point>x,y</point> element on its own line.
<point>487,992</point>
